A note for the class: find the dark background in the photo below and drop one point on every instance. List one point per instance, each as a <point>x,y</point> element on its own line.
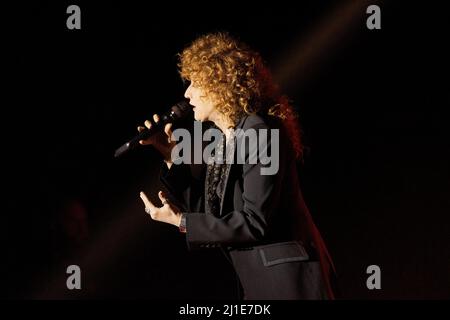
<point>372,104</point>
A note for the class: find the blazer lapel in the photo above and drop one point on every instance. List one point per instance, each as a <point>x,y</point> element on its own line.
<point>230,168</point>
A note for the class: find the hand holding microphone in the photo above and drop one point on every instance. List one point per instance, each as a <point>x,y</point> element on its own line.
<point>159,132</point>
<point>161,141</point>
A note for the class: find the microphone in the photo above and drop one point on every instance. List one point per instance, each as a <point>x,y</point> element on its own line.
<point>178,112</point>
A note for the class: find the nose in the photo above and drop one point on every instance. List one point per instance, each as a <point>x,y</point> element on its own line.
<point>187,94</point>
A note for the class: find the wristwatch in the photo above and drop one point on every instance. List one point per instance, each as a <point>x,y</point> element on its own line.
<point>182,226</point>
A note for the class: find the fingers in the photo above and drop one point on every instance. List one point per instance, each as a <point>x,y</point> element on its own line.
<point>140,128</point>
<point>147,202</point>
<point>168,129</point>
<point>162,196</point>
<point>168,132</point>
<point>148,123</point>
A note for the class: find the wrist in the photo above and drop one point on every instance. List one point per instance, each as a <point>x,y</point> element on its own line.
<point>178,220</point>
<point>182,226</point>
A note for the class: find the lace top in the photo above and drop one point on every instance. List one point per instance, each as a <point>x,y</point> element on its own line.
<point>215,178</point>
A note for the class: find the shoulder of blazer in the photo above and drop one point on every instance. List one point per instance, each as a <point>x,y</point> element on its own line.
<point>252,120</point>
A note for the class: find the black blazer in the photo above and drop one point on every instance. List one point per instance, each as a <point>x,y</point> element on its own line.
<point>263,227</point>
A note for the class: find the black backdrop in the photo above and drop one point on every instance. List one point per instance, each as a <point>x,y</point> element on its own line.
<point>372,105</point>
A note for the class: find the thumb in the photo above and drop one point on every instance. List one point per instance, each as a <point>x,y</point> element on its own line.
<point>168,130</point>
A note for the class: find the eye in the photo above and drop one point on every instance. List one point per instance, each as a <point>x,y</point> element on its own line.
<point>195,83</point>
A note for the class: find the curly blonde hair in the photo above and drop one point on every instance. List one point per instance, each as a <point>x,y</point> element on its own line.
<point>237,78</point>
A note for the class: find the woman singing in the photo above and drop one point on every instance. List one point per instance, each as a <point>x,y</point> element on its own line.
<point>258,218</point>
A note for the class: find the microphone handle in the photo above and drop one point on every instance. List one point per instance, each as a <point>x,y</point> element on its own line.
<point>143,135</point>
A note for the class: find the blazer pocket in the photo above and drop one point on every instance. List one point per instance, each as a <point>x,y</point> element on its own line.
<point>283,252</point>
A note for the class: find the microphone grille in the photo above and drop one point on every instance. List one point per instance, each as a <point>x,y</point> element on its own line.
<point>181,109</point>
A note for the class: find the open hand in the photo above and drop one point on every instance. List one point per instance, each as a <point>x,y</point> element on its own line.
<point>168,213</point>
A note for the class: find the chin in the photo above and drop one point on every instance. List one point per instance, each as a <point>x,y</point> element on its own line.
<point>199,118</point>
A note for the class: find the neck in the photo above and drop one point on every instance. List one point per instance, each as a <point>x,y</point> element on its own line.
<point>224,124</point>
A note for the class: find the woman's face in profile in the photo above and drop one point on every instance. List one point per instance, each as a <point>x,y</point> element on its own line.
<point>204,107</point>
